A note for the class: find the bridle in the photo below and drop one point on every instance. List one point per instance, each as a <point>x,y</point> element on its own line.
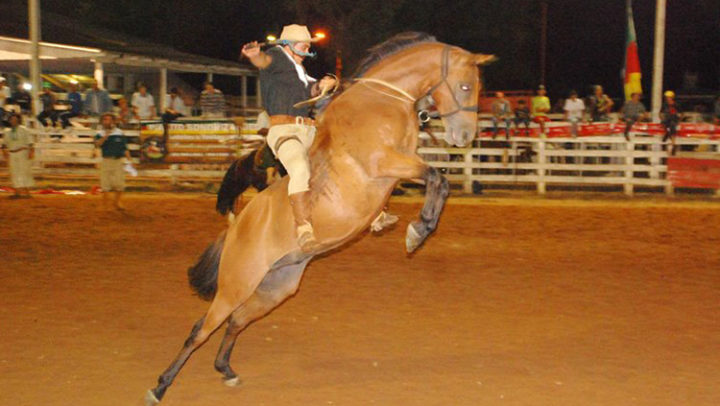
<point>424,115</point>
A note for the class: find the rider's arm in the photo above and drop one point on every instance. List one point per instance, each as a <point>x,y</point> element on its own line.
<point>257,57</point>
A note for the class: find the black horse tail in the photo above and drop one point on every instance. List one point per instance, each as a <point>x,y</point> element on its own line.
<point>237,178</point>
<point>203,275</point>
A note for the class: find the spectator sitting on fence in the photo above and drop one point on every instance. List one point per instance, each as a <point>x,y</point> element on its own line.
<point>113,145</point>
<point>22,98</point>
<point>17,148</point>
<point>522,115</point>
<point>143,104</point>
<point>574,112</point>
<point>97,101</point>
<point>540,108</point>
<point>212,101</point>
<point>76,106</point>
<point>48,100</point>
<point>671,115</point>
<point>632,112</point>
<point>174,108</point>
<point>501,111</point>
<point>599,105</point>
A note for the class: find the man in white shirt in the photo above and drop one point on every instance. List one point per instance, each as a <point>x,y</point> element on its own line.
<point>143,104</point>
<point>574,112</point>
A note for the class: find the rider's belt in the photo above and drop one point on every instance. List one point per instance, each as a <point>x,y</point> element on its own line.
<point>287,119</point>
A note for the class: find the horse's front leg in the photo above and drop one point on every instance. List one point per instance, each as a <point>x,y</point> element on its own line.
<point>436,192</point>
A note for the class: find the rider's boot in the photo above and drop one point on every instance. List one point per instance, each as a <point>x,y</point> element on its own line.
<point>300,203</point>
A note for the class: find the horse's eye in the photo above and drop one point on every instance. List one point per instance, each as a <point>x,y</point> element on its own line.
<point>465,87</point>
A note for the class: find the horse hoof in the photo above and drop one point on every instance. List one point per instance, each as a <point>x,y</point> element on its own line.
<point>232,382</point>
<point>150,399</point>
<point>412,239</point>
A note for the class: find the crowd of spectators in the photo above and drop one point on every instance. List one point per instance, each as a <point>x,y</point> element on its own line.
<point>597,107</point>
<point>58,112</point>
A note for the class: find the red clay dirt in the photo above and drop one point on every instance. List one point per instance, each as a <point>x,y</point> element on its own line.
<point>511,302</point>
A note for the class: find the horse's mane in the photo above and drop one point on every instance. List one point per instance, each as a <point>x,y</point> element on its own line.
<point>379,52</point>
<point>393,45</point>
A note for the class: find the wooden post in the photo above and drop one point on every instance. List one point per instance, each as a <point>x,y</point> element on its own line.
<point>258,94</point>
<point>467,171</point>
<point>99,74</point>
<point>541,166</point>
<point>629,168</point>
<point>163,90</point>
<point>35,78</point>
<point>243,83</point>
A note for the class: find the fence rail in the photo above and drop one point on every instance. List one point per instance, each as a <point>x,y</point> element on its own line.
<point>527,161</point>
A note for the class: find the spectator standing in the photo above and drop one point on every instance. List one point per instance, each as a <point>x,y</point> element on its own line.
<point>574,109</point>
<point>670,114</point>
<point>97,101</point>
<point>501,111</point>
<point>522,115</point>
<point>113,145</point>
<point>5,95</point>
<point>540,108</point>
<point>76,106</point>
<point>143,104</point>
<point>47,99</point>
<point>212,101</point>
<point>599,105</point>
<point>17,148</point>
<point>22,98</point>
<point>632,112</point>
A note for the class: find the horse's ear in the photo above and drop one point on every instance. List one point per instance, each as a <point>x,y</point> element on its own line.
<point>484,59</point>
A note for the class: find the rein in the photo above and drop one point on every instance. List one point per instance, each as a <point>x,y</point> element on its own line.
<point>444,69</point>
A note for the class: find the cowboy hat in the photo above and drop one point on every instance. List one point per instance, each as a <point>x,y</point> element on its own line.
<point>296,33</point>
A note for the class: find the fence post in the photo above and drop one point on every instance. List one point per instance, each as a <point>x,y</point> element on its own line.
<point>541,166</point>
<point>629,167</point>
<point>467,171</point>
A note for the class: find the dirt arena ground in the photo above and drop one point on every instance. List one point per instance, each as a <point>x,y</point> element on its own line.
<point>512,302</point>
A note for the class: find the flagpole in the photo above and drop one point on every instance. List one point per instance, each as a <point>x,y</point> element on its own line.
<point>658,59</point>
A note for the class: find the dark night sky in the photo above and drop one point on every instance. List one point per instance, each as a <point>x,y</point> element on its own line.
<point>586,38</point>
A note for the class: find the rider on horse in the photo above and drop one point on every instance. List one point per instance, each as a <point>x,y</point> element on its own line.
<point>284,83</point>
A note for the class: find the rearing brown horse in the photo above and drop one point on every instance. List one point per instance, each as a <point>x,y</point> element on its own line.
<point>366,143</point>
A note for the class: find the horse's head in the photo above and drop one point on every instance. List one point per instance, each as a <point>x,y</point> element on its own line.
<point>456,93</point>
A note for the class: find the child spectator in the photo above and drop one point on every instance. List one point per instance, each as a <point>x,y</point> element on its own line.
<point>522,115</point>
<point>540,108</point>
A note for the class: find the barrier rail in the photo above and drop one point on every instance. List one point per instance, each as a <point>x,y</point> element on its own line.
<point>528,161</point>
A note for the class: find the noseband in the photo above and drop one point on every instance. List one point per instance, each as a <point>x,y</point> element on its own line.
<point>423,114</point>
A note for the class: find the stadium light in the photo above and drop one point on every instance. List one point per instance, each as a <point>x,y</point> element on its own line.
<point>320,35</point>
<point>27,86</point>
<point>271,38</point>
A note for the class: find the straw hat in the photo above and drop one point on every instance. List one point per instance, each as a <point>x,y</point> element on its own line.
<point>296,33</point>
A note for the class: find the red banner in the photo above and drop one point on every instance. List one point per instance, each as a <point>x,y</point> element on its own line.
<point>694,173</point>
<point>694,130</point>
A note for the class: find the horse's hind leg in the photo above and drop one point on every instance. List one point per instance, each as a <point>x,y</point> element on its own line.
<point>216,315</point>
<point>278,285</point>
